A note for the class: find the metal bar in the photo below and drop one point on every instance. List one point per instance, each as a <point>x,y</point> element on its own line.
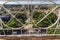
<point>46,15</point>
<point>11,14</point>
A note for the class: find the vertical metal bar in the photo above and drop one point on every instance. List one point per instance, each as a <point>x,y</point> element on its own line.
<point>12,31</point>
<point>4,31</point>
<point>21,31</point>
<point>56,27</point>
<point>31,10</point>
<point>46,31</point>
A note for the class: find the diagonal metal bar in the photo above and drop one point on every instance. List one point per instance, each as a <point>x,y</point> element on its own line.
<point>15,28</point>
<point>12,18</point>
<point>2,26</point>
<point>15,18</point>
<point>46,15</point>
<point>11,14</point>
<point>9,20</point>
<point>47,18</point>
<point>56,27</point>
<point>55,22</point>
<point>8,26</point>
<point>16,14</point>
<point>3,23</point>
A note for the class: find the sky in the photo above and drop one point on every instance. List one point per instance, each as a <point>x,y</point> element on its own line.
<point>29,2</point>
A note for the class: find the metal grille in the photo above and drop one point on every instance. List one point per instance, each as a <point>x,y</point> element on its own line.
<point>50,30</point>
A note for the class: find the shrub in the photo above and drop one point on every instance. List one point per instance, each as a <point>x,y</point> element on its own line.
<point>14,24</point>
<point>47,21</point>
<point>22,17</point>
